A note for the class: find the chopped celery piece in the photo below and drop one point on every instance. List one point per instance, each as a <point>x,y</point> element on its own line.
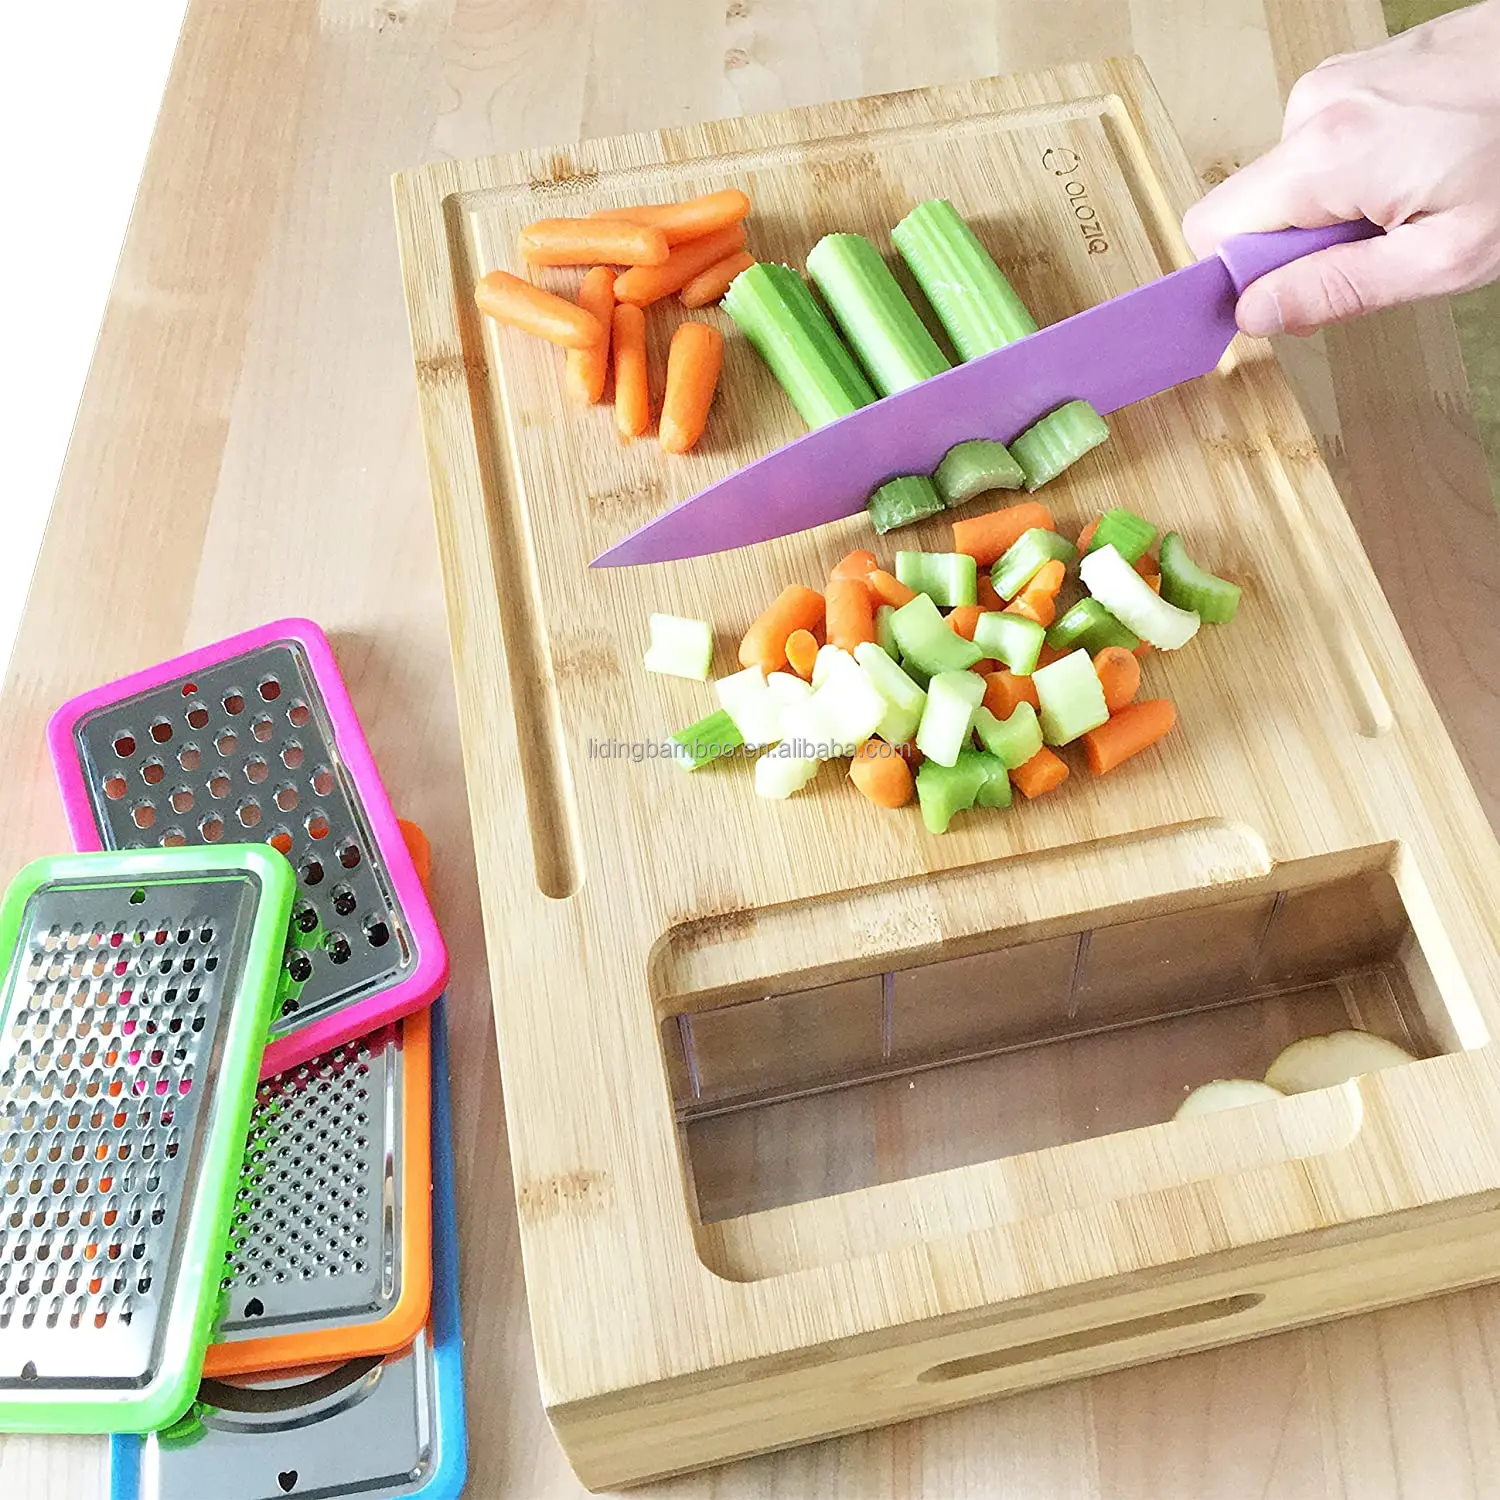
<point>1012,639</point>
<point>1072,698</point>
<point>756,712</point>
<point>1015,740</point>
<point>947,578</point>
<point>779,773</point>
<point>976,305</point>
<point>708,739</point>
<point>786,688</point>
<point>904,700</point>
<point>774,308</point>
<point>948,715</point>
<point>972,468</point>
<point>900,502</point>
<point>1133,602</point>
<point>928,642</point>
<point>840,715</point>
<point>680,648</point>
<point>1061,438</point>
<point>994,790</point>
<point>885,637</point>
<point>1126,532</point>
<point>1090,625</point>
<point>1027,555</point>
<point>918,675</point>
<point>1188,586</point>
<point>825,662</point>
<point>945,790</point>
<point>891,341</point>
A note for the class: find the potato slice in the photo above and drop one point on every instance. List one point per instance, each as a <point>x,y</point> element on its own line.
<point>1320,1062</point>
<point>1225,1093</point>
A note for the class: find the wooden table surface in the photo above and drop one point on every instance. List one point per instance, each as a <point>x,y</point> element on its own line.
<point>248,447</point>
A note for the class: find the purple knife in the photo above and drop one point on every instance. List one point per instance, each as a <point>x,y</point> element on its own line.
<point>1124,350</point>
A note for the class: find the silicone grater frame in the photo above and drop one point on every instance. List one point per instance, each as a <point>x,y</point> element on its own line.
<point>330,1247</point>
<point>401,1420</point>
<point>136,996</point>
<point>184,751</point>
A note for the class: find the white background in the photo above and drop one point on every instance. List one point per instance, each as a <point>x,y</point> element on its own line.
<point>80,85</point>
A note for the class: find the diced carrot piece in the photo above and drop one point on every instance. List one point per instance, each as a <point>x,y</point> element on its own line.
<point>1044,772</point>
<point>888,589</point>
<point>802,652</point>
<point>794,608</point>
<point>988,537</point>
<point>1127,733</point>
<point>851,613</point>
<point>882,775</point>
<point>1038,600</point>
<point>986,596</point>
<point>859,564</point>
<point>964,619</point>
<point>1147,566</point>
<point>1119,675</point>
<point>1087,535</point>
<point>1004,692</point>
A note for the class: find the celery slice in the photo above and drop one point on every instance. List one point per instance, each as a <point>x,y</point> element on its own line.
<point>1012,639</point>
<point>680,648</point>
<point>972,468</point>
<point>774,308</point>
<point>1090,625</point>
<point>919,675</point>
<point>947,578</point>
<point>904,700</point>
<point>977,306</point>
<point>1061,438</point>
<point>927,641</point>
<point>994,790</point>
<point>841,714</point>
<point>948,715</point>
<point>825,662</point>
<point>1026,557</point>
<point>1015,740</point>
<point>713,735</point>
<point>943,791</point>
<point>1133,602</point>
<point>1071,696</point>
<point>779,773</point>
<point>885,637</point>
<point>750,703</point>
<point>1188,586</point>
<point>900,502</point>
<point>890,339</point>
<point>1126,532</point>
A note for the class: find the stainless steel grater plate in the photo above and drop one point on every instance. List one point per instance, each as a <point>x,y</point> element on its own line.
<point>245,750</point>
<point>115,1018</point>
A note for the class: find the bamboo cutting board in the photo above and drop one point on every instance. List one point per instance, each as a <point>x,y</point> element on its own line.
<point>620,893</point>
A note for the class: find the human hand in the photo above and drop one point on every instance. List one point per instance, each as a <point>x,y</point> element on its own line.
<point>1406,134</point>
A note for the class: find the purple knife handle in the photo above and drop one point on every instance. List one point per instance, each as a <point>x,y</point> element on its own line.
<point>1249,256</point>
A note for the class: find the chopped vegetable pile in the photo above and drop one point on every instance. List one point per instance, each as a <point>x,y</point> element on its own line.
<point>956,677</point>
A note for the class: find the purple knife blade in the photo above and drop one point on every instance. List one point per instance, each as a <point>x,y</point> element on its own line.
<point>1121,351</point>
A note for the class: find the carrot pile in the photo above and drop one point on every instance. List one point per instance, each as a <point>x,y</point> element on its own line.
<point>692,249</point>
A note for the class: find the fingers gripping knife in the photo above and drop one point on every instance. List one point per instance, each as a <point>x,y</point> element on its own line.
<point>136,993</point>
<point>256,738</point>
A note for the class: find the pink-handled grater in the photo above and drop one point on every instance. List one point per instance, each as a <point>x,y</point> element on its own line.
<point>256,738</point>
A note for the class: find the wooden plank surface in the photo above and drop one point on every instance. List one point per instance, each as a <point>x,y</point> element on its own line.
<point>253,383</point>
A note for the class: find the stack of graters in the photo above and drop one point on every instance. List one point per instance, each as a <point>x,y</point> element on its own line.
<point>227,1229</point>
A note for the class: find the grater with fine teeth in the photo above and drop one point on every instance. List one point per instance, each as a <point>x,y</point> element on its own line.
<point>256,738</point>
<point>136,993</point>
<point>329,1249</point>
<point>363,1429</point>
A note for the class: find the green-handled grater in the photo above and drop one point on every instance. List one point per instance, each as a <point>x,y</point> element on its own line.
<point>136,999</point>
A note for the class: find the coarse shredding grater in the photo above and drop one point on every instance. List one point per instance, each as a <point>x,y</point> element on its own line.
<point>368,1429</point>
<point>256,737</point>
<point>136,996</point>
<point>330,1247</point>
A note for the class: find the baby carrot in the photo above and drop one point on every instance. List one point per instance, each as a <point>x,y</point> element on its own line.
<point>801,653</point>
<point>708,286</point>
<point>986,538</point>
<point>693,362</point>
<point>858,565</point>
<point>888,589</point>
<point>851,613</point>
<point>1044,772</point>
<point>964,619</point>
<point>1119,674</point>
<point>632,393</point>
<point>1129,732</point>
<point>881,774</point>
<point>688,220</point>
<point>588,242</point>
<point>643,285</point>
<point>587,368</point>
<point>1004,692</point>
<point>1038,600</point>
<point>794,608</point>
<point>509,299</point>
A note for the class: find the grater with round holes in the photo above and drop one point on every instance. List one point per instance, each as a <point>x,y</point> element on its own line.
<point>136,994</point>
<point>256,737</point>
<point>362,1429</point>
<point>329,1250</point>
